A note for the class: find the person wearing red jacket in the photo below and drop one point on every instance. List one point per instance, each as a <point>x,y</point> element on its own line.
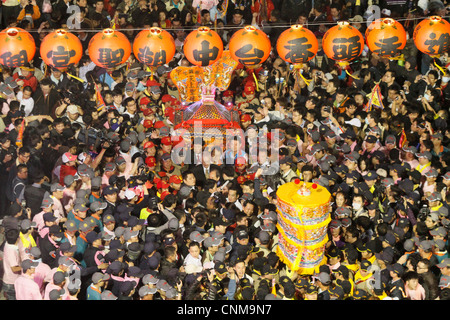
<point>68,167</point>
<point>25,77</point>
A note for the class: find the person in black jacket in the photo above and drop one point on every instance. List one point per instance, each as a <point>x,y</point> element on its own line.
<point>242,7</point>
<point>116,269</point>
<point>34,194</point>
<point>169,260</point>
<point>45,98</point>
<point>60,79</point>
<point>291,9</point>
<point>6,160</point>
<point>49,245</point>
<point>93,255</point>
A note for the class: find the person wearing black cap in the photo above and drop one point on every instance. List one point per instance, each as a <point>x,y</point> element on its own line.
<point>49,244</point>
<point>363,275</point>
<point>240,238</point>
<point>150,257</point>
<point>286,288</point>
<point>127,289</point>
<point>311,292</point>
<point>217,280</point>
<point>93,255</point>
<point>66,249</point>
<point>110,194</point>
<point>370,146</point>
<point>396,286</point>
<point>334,256</point>
<point>116,270</point>
<point>286,169</point>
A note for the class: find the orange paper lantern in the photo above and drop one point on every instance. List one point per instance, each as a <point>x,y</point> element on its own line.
<point>297,45</point>
<point>154,47</point>
<point>343,42</point>
<point>432,36</point>
<point>250,46</point>
<point>61,49</point>
<point>109,48</point>
<point>386,37</point>
<point>17,47</point>
<point>203,47</point>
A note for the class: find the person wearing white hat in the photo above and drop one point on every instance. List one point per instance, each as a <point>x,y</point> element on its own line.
<point>73,112</point>
<point>129,195</point>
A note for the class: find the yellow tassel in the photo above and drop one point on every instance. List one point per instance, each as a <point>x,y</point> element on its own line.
<point>297,71</point>
<point>274,288</point>
<point>72,76</point>
<point>256,81</point>
<point>304,79</point>
<point>343,65</point>
<point>439,67</point>
<point>354,77</point>
<point>151,70</point>
<point>399,57</point>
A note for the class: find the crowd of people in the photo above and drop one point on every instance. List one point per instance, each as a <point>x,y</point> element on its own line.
<point>94,206</point>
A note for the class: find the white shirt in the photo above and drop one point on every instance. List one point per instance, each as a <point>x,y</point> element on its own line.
<point>190,260</point>
<point>27,103</point>
<point>86,69</point>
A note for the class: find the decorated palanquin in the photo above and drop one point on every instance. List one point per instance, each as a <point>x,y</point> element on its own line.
<point>303,211</point>
<point>197,88</point>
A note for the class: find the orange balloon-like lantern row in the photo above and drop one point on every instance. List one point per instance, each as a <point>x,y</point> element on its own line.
<point>386,37</point>
<point>61,49</point>
<point>250,46</point>
<point>17,47</point>
<point>297,45</point>
<point>109,48</point>
<point>154,47</point>
<point>432,36</point>
<point>203,47</point>
<point>343,43</point>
